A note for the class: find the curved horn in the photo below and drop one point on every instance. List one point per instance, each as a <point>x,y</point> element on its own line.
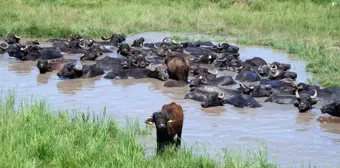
<point>297,95</point>
<point>221,95</point>
<point>18,37</point>
<point>167,39</point>
<point>315,94</point>
<point>78,66</point>
<point>274,66</point>
<point>105,38</point>
<point>260,67</point>
<point>82,46</point>
<point>213,72</point>
<point>4,47</point>
<point>23,49</point>
<point>276,74</point>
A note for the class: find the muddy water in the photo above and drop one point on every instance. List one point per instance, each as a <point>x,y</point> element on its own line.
<point>291,138</point>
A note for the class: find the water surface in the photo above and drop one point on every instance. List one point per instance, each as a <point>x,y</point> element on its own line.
<point>291,137</point>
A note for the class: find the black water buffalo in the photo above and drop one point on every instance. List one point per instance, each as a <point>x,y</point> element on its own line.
<point>32,53</point>
<point>280,66</point>
<point>51,65</point>
<point>109,63</point>
<point>196,70</point>
<point>138,42</point>
<point>3,47</point>
<point>279,74</point>
<point>207,99</point>
<point>302,101</point>
<point>332,109</point>
<point>152,71</point>
<point>243,100</point>
<point>220,81</point>
<point>91,55</point>
<point>12,39</point>
<point>247,76</point>
<point>225,48</point>
<point>260,90</point>
<point>76,70</point>
<point>115,39</point>
<point>256,61</point>
<point>329,94</point>
<point>284,85</point>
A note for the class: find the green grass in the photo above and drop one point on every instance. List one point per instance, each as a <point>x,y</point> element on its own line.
<point>31,135</point>
<point>308,28</point>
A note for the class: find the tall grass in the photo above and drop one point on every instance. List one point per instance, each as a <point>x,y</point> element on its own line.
<point>308,28</point>
<point>31,135</point>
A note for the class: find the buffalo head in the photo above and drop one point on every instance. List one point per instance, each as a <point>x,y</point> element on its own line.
<point>305,101</point>
<point>256,91</point>
<point>71,70</point>
<point>159,71</point>
<point>12,39</point>
<point>332,109</point>
<point>214,99</point>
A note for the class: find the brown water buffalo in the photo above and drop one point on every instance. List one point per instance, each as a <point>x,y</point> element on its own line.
<point>169,123</point>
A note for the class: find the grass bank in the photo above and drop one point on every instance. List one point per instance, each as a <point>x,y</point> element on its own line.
<point>34,136</point>
<point>308,28</point>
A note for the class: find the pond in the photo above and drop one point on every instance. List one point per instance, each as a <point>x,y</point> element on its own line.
<point>291,137</point>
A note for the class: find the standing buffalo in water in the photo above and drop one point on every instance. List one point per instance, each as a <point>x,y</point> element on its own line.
<point>76,70</point>
<point>178,66</point>
<point>169,123</point>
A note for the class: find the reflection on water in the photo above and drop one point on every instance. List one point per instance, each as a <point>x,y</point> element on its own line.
<point>291,137</point>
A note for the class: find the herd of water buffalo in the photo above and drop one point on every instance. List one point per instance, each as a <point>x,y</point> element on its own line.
<point>195,64</point>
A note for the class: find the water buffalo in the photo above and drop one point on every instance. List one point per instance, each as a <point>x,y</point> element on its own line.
<point>169,123</point>
<point>32,53</point>
<point>109,63</point>
<point>152,71</point>
<point>279,74</point>
<point>196,70</point>
<point>202,95</point>
<point>213,99</point>
<point>138,42</point>
<point>51,65</point>
<point>76,70</point>
<point>12,39</point>
<point>220,81</point>
<point>256,61</point>
<point>332,109</point>
<point>261,90</point>
<point>225,48</point>
<point>284,85</point>
<point>115,39</point>
<point>247,76</point>
<point>302,101</point>
<point>280,66</point>
<point>90,56</point>
<point>178,66</point>
<point>243,100</point>
<point>3,47</point>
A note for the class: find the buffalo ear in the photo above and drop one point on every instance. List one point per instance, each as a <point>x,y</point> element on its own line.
<point>296,104</point>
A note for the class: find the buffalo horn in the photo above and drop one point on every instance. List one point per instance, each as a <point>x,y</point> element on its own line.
<point>315,94</point>
<point>4,45</point>
<point>297,94</point>
<point>23,49</point>
<point>18,37</point>
<point>221,95</point>
<point>77,66</point>
<point>276,74</point>
<point>213,72</point>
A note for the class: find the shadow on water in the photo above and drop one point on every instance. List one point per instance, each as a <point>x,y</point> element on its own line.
<point>291,137</point>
